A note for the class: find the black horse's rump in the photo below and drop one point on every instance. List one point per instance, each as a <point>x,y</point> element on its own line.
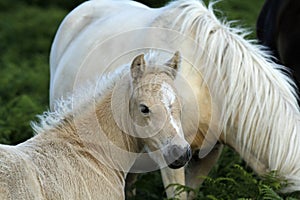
<point>278,27</point>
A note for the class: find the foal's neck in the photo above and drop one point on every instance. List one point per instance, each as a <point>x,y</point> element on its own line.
<point>93,129</point>
<point>115,133</point>
<point>100,133</point>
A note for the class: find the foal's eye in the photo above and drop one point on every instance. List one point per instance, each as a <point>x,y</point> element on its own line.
<point>144,109</point>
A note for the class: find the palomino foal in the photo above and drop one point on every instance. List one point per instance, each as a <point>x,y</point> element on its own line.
<point>83,151</point>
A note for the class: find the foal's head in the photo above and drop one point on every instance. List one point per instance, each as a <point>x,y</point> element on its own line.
<point>156,112</point>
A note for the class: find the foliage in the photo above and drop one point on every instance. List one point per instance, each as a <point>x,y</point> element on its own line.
<point>237,181</point>
<point>27,28</point>
<point>229,179</point>
<point>244,12</point>
<point>25,40</point>
<point>229,187</point>
<point>65,4</point>
<point>149,186</point>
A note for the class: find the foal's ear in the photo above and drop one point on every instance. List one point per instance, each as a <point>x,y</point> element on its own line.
<point>174,63</point>
<point>138,66</point>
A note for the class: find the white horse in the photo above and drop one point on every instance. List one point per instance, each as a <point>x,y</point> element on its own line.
<point>80,152</point>
<point>243,98</point>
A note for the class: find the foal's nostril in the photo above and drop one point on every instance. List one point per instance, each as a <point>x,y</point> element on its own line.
<point>176,152</point>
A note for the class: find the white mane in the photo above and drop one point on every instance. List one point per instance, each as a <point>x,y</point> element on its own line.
<point>260,100</point>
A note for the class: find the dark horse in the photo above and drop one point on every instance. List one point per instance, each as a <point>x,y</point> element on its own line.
<point>278,27</point>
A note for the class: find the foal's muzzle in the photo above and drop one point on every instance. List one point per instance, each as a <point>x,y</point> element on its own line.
<point>177,156</point>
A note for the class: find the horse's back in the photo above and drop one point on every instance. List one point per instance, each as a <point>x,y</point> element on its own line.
<point>81,17</point>
<point>84,30</point>
<point>17,178</point>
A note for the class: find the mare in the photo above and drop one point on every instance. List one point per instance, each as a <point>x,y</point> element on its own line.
<point>80,152</point>
<point>243,99</point>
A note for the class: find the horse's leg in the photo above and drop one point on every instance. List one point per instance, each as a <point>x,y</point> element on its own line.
<point>201,167</point>
<point>173,176</point>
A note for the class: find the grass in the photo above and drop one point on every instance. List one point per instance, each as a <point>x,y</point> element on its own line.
<point>26,33</point>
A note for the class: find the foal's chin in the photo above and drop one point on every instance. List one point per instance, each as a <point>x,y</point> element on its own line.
<point>177,164</point>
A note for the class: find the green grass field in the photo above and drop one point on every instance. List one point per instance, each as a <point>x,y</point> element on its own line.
<point>27,29</point>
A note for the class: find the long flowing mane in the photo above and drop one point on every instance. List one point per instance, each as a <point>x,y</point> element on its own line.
<point>260,102</point>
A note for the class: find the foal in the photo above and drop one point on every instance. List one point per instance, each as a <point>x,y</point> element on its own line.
<point>84,149</point>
